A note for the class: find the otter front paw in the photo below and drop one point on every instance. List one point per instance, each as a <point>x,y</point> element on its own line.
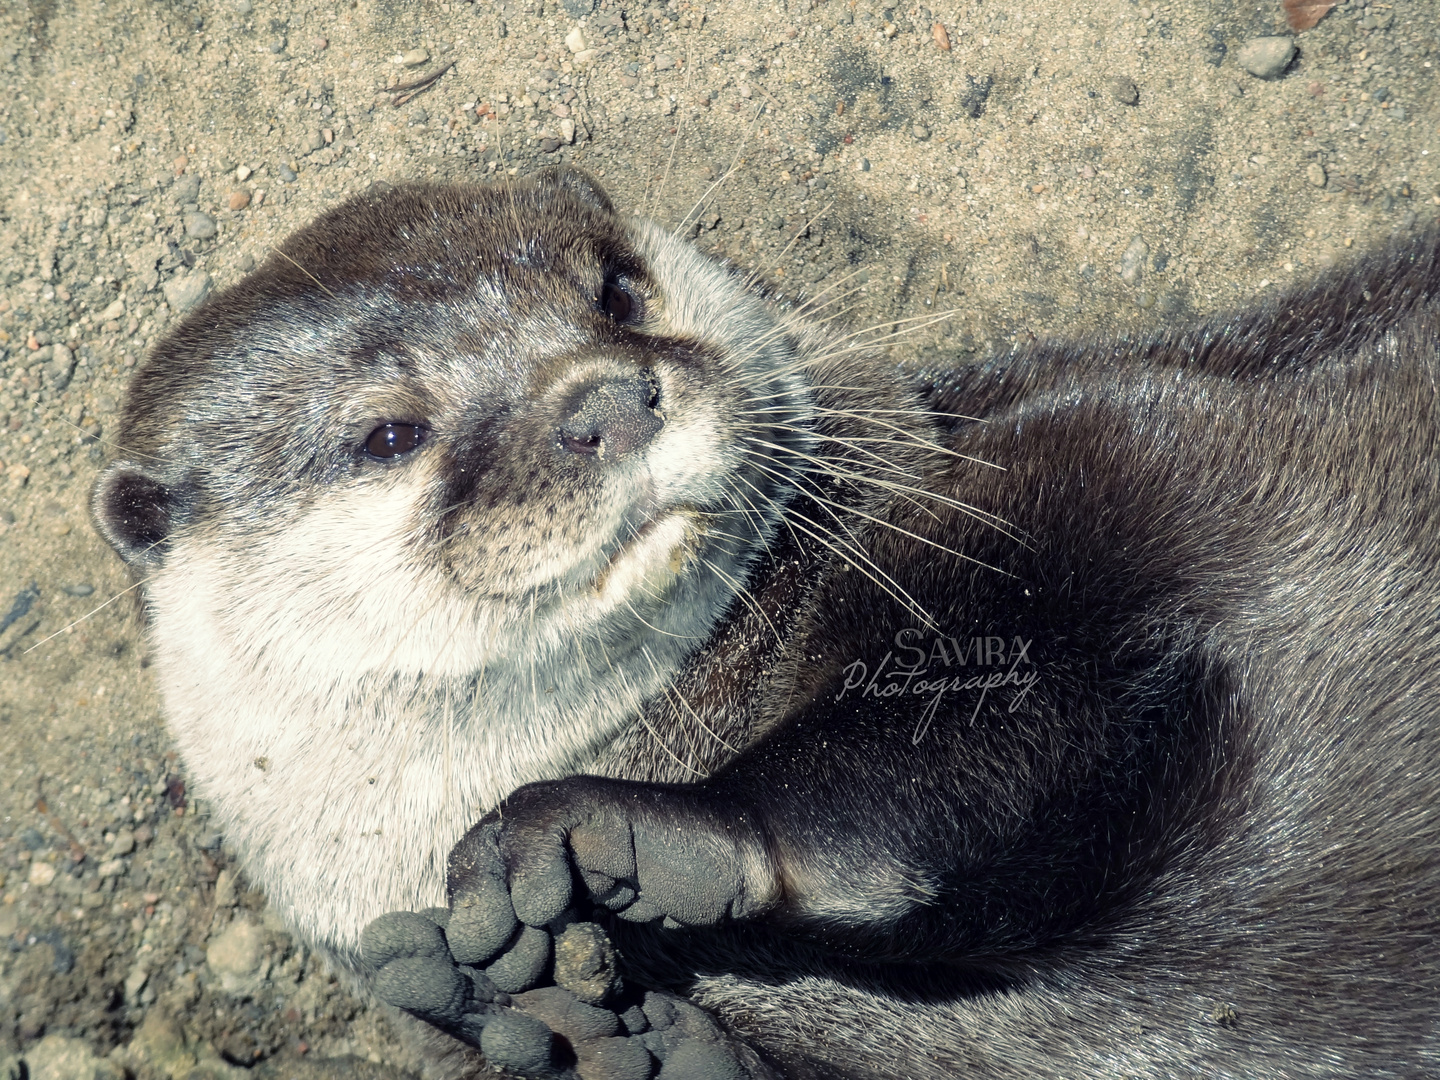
<point>642,851</point>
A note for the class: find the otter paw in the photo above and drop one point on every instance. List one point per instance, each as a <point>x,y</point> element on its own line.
<point>415,971</point>
<point>551,1032</point>
<point>643,852</point>
<point>659,1036</point>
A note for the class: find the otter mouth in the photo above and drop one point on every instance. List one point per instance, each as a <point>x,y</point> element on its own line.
<point>655,557</point>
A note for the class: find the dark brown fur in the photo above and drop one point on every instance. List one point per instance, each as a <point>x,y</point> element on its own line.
<point>1207,844</point>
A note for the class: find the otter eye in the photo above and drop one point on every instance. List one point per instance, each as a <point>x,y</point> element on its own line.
<point>392,440</point>
<point>616,302</point>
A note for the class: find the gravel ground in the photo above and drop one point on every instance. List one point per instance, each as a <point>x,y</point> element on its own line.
<point>1106,166</point>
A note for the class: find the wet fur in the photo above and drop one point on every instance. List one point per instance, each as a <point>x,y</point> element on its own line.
<point>1204,843</point>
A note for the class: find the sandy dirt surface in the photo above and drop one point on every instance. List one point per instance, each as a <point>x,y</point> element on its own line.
<point>1035,171</point>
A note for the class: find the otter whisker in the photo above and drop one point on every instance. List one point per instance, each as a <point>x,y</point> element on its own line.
<point>639,708</point>
<point>126,450</point>
<point>915,496</point>
<point>911,442</point>
<point>852,551</point>
<point>318,283</point>
<point>744,594</point>
<point>729,172</point>
<point>892,526</point>
<point>677,697</point>
<point>87,615</point>
<point>798,233</point>
<point>919,412</point>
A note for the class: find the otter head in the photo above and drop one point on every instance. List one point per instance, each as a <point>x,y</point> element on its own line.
<point>446,427</point>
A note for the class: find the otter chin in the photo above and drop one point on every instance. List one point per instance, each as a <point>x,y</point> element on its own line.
<point>627,676</point>
<point>658,555</point>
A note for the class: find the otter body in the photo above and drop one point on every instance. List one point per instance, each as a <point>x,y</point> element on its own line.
<point>1070,714</point>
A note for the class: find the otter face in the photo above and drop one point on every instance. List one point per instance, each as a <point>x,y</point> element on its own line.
<point>428,506</point>
<point>448,427</point>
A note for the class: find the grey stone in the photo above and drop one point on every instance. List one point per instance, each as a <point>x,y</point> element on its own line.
<point>61,366</point>
<point>183,293</point>
<point>58,1058</point>
<point>199,226</point>
<point>237,958</point>
<point>1132,262</point>
<point>186,189</point>
<point>1266,57</point>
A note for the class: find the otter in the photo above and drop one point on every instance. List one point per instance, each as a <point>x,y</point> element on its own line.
<point>633,677</point>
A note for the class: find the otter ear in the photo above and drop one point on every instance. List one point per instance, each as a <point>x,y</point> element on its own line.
<point>578,182</point>
<point>134,511</point>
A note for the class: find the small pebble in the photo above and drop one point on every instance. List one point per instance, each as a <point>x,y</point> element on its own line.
<point>183,293</point>
<point>1132,262</point>
<point>415,57</point>
<point>278,45</point>
<point>82,589</point>
<point>313,141</point>
<point>243,173</point>
<point>199,226</point>
<point>186,189</point>
<point>864,165</point>
<point>920,131</point>
<point>575,40</point>
<point>1124,90</point>
<point>664,62</point>
<point>1266,57</point>
<point>238,200</point>
<point>1315,173</point>
<point>287,174</point>
<point>41,874</point>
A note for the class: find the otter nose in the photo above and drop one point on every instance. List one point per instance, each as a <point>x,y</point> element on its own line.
<point>612,418</point>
